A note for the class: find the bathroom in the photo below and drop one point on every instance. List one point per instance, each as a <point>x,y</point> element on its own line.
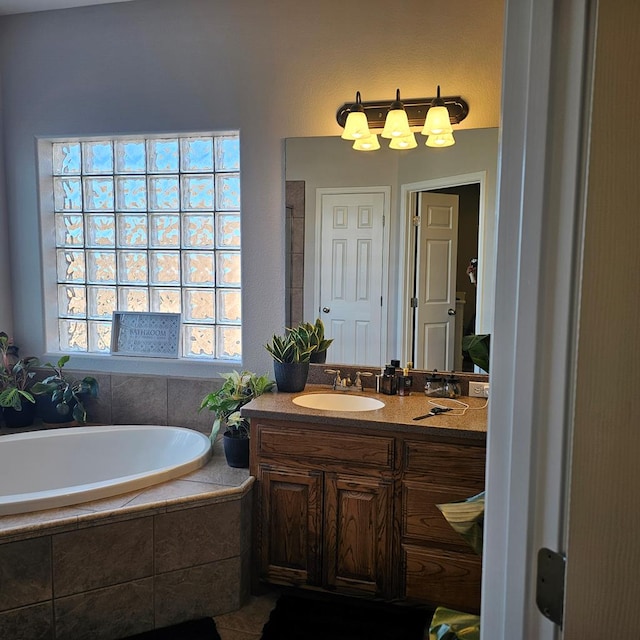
<point>127,67</point>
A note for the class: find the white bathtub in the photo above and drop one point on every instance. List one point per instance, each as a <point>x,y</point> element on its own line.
<point>61,467</point>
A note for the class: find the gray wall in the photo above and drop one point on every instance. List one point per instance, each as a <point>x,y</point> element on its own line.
<point>270,69</point>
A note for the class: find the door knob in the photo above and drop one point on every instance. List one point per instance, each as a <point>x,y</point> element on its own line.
<point>452,312</point>
<point>325,309</point>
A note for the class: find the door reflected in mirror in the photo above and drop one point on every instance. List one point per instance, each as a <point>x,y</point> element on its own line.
<point>378,260</point>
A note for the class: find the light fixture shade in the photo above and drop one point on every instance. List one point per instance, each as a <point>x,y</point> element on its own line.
<point>356,126</point>
<point>396,124</point>
<point>404,142</point>
<point>370,143</point>
<point>437,122</point>
<point>442,140</point>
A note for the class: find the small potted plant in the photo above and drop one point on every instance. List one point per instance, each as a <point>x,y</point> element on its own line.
<point>321,343</point>
<point>291,355</point>
<point>16,399</point>
<point>59,397</point>
<point>237,390</point>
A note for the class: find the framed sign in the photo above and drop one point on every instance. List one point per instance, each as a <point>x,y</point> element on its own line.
<point>154,335</point>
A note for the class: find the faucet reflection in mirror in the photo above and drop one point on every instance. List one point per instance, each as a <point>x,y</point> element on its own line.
<point>433,117</point>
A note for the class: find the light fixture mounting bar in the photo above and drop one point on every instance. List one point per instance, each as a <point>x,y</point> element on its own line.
<point>416,109</point>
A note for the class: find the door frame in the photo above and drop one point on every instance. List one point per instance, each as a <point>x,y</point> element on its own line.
<point>408,195</point>
<point>386,225</point>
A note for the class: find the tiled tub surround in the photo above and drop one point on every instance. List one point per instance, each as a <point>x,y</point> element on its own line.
<point>130,563</point>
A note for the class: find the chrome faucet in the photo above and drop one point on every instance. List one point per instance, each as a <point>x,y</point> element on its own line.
<point>344,384</point>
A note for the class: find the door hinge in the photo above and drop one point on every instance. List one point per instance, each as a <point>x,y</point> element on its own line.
<point>550,584</point>
<point>414,303</point>
<point>416,221</point>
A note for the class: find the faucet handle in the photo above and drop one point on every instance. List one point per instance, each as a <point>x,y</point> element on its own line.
<point>357,383</point>
<point>337,381</point>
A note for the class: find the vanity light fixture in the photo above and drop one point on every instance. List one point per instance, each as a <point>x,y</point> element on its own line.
<point>383,118</point>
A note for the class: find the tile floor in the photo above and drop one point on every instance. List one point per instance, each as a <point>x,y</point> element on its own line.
<point>247,623</point>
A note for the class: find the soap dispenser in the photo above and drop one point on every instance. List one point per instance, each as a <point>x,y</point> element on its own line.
<point>388,382</point>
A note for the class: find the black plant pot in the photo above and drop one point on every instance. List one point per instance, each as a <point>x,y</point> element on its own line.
<point>291,376</point>
<point>48,412</point>
<point>23,418</point>
<point>319,357</point>
<point>236,450</point>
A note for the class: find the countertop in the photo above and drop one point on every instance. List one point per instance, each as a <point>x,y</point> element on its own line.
<point>397,414</point>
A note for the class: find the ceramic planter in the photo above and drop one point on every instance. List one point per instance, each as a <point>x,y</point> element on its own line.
<point>291,376</point>
<point>236,450</point>
<point>23,418</point>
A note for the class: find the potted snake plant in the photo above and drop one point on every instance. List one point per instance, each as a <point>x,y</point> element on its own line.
<point>291,355</point>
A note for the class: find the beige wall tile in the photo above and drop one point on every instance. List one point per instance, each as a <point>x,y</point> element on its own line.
<point>27,623</point>
<point>138,400</point>
<point>104,614</point>
<point>25,573</point>
<point>211,533</point>
<point>205,590</point>
<point>102,556</point>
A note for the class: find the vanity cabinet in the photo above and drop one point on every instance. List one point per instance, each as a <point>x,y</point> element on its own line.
<point>353,510</point>
<point>439,568</point>
<point>324,508</point>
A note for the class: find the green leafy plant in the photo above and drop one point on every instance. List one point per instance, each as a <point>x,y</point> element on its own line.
<point>478,347</point>
<point>67,393</point>
<point>316,335</point>
<point>237,390</point>
<point>15,375</point>
<point>294,346</point>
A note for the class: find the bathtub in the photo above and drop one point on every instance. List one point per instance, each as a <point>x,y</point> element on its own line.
<point>66,466</point>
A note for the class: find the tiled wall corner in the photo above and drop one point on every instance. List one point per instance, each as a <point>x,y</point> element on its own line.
<point>212,532</point>
<point>184,396</point>
<point>206,590</point>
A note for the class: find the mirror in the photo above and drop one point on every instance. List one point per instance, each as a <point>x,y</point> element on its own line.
<point>325,176</point>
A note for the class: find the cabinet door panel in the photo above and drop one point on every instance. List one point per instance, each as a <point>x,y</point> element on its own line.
<point>441,578</point>
<point>291,513</point>
<point>358,522</point>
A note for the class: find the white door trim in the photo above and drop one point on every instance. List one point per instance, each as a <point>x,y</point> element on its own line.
<point>532,359</point>
<point>386,191</point>
<point>408,194</point>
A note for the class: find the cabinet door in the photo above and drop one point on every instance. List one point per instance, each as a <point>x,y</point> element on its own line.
<point>290,525</point>
<point>357,542</point>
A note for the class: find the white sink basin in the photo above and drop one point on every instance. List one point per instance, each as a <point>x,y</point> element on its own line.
<point>337,402</point>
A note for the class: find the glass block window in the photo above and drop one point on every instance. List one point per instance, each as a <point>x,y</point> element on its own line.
<point>148,224</point>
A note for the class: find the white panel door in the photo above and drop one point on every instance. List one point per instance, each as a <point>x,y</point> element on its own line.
<point>351,275</point>
<point>435,293</point>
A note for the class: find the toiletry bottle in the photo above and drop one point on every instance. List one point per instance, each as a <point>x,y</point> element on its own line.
<point>405,381</point>
<point>388,381</point>
<point>433,385</point>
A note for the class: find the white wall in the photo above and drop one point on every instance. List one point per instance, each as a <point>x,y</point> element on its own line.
<point>271,69</point>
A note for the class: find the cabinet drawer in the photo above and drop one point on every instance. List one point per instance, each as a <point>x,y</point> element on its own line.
<point>442,462</point>
<point>375,451</point>
<point>440,578</point>
<point>421,518</point>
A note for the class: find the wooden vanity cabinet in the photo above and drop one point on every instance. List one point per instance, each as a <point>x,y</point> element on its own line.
<point>352,510</point>
<point>439,567</point>
<point>324,508</point>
